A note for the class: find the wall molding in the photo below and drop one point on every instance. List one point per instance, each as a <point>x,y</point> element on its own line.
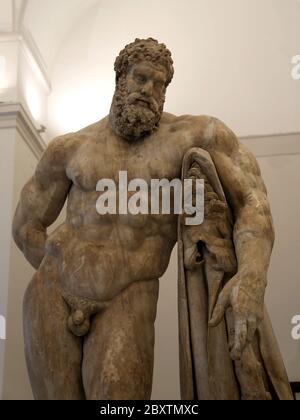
<point>286,144</point>
<point>31,52</point>
<point>19,9</point>
<point>14,115</point>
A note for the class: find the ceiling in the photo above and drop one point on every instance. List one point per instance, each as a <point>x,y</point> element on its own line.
<point>12,14</point>
<point>59,15</point>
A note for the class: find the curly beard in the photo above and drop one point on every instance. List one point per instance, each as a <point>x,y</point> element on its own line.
<point>133,116</point>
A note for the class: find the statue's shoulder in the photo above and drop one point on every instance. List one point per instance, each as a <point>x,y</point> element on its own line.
<point>176,122</point>
<point>63,147</point>
<point>187,119</point>
<point>213,135</point>
<point>206,131</point>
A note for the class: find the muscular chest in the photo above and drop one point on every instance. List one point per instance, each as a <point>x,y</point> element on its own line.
<point>157,157</point>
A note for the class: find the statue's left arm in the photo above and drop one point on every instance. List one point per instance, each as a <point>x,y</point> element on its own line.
<point>253,233</point>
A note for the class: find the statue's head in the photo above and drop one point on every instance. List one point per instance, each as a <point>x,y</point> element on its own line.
<point>144,70</point>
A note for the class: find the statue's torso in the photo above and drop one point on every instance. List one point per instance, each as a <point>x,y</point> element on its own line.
<point>101,254</point>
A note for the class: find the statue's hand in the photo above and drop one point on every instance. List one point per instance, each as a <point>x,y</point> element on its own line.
<point>245,295</point>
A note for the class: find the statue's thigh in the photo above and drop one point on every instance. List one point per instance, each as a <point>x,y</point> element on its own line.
<point>53,354</point>
<point>119,350</point>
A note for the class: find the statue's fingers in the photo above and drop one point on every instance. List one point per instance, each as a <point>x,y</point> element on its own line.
<point>252,327</point>
<point>240,338</point>
<point>220,308</point>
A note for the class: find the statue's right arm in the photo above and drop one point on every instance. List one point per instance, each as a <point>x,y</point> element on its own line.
<point>41,202</point>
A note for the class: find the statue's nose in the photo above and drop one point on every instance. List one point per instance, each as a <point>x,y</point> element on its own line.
<point>147,88</point>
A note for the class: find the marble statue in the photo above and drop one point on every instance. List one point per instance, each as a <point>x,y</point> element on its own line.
<point>89,310</point>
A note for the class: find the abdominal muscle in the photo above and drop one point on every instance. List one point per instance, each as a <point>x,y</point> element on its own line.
<point>97,262</point>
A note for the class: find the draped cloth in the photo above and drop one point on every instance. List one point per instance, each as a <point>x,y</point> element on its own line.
<point>207,260</point>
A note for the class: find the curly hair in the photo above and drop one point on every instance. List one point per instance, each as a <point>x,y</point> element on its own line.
<point>144,49</point>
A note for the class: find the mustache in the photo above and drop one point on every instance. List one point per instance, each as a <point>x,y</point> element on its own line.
<point>134,97</point>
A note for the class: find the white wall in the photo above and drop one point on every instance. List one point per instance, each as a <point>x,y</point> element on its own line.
<point>6,16</point>
<point>50,21</point>
<point>16,383</point>
<point>166,385</point>
<point>20,148</point>
<point>9,70</point>
<point>22,76</point>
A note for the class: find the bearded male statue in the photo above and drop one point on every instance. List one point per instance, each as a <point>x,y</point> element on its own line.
<point>90,309</point>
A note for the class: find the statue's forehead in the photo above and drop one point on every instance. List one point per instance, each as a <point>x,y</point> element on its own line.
<point>149,67</point>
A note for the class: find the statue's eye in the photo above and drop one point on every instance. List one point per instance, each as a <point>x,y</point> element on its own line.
<point>141,79</point>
